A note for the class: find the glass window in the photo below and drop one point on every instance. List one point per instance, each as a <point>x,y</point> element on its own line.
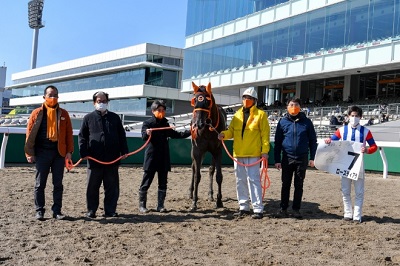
<point>381,21</point>
<point>396,19</point>
<point>357,23</point>
<point>315,32</point>
<point>281,40</point>
<point>202,15</point>
<point>124,78</point>
<point>105,65</point>
<point>335,27</point>
<point>297,42</point>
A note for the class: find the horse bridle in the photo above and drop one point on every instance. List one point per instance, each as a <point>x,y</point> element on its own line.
<point>200,97</point>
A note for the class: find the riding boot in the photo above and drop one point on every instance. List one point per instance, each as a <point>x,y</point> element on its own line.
<point>142,202</point>
<point>161,199</point>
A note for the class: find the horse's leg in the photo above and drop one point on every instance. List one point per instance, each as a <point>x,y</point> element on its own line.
<point>197,177</point>
<point>192,183</point>
<point>219,178</point>
<point>211,171</point>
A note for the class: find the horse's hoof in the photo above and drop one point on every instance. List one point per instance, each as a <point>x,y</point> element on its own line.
<point>210,196</point>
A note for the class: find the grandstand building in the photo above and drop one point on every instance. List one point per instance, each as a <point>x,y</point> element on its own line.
<point>320,50</point>
<point>133,77</point>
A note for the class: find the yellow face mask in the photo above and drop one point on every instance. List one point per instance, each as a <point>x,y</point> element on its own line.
<point>51,102</point>
<point>247,103</point>
<point>293,110</point>
<point>159,114</point>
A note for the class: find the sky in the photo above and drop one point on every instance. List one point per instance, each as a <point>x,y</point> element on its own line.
<point>79,28</point>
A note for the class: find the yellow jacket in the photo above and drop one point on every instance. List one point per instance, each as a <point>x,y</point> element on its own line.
<point>255,140</point>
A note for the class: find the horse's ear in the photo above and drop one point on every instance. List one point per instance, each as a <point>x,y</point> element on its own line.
<point>208,88</point>
<point>195,87</point>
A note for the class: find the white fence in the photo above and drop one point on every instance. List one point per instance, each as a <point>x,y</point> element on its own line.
<point>6,131</point>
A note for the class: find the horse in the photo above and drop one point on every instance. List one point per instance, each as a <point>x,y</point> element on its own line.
<point>207,122</point>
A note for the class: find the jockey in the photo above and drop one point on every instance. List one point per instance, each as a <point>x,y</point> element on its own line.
<point>354,132</point>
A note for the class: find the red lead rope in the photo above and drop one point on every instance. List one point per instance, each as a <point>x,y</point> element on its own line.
<point>264,179</point>
<point>69,165</point>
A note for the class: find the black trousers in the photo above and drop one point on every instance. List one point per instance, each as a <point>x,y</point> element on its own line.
<point>108,174</point>
<point>148,177</point>
<point>297,168</point>
<point>46,160</point>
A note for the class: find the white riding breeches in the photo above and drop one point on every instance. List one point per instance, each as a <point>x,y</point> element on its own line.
<point>358,199</point>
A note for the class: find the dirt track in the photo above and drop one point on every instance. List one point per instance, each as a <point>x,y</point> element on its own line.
<point>208,236</point>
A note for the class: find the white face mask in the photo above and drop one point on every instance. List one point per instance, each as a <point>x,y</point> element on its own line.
<point>354,121</point>
<point>101,107</point>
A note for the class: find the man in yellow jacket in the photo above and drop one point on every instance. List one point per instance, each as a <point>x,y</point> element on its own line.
<point>250,131</point>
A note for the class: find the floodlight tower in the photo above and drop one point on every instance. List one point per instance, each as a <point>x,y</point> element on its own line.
<point>35,10</point>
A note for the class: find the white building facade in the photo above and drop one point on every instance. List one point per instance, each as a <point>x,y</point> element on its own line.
<point>304,48</point>
<point>133,77</point>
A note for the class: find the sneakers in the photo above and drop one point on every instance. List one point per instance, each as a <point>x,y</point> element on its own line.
<point>161,209</point>
<point>347,219</point>
<point>258,215</point>
<point>143,209</point>
<point>91,214</point>
<point>58,216</point>
<point>241,213</point>
<point>39,216</point>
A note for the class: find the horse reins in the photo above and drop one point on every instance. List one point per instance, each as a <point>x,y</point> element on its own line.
<point>193,130</point>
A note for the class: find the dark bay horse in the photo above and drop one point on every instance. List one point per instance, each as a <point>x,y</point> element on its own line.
<point>207,121</point>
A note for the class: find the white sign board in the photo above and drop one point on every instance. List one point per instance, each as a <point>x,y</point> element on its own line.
<point>343,158</point>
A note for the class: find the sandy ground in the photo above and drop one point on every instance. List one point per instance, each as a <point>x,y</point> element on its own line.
<point>208,236</point>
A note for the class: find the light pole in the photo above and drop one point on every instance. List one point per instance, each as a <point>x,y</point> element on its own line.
<point>35,10</point>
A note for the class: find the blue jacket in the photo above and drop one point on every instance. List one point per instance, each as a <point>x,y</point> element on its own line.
<point>295,137</point>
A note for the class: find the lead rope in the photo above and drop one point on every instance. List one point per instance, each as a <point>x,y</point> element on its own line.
<point>69,165</point>
<point>264,178</point>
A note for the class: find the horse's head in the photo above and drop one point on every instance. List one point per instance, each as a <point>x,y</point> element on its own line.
<point>202,102</point>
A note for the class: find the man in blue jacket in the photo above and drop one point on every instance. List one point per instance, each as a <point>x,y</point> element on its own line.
<point>295,148</point>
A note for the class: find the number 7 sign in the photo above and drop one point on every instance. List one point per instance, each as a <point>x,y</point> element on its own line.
<point>343,158</point>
